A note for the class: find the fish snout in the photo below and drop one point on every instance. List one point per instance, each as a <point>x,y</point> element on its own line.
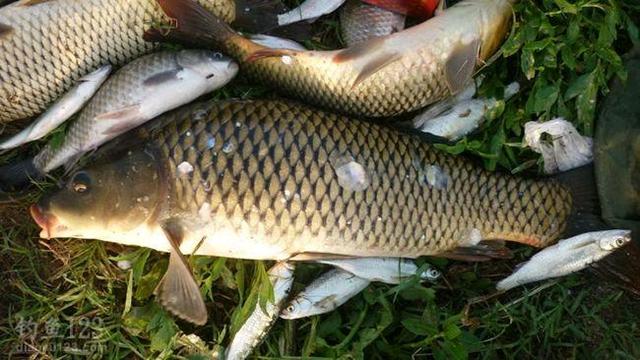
<point>44,219</point>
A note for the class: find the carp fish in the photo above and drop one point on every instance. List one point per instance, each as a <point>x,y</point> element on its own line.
<point>382,77</point>
<point>360,22</point>
<point>281,181</point>
<point>70,39</point>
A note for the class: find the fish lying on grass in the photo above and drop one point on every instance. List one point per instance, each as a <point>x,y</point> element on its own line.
<point>386,270</point>
<point>381,77</point>
<point>71,38</point>
<point>567,256</point>
<point>463,118</point>
<point>360,22</point>
<point>325,294</point>
<point>309,10</point>
<point>61,111</point>
<point>281,181</point>
<point>140,91</point>
<point>256,327</point>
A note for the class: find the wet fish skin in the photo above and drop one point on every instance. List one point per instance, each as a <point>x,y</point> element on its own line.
<point>360,22</point>
<point>325,294</point>
<point>73,38</point>
<point>386,270</point>
<point>62,110</point>
<point>140,91</point>
<point>262,184</point>
<point>256,327</point>
<point>382,77</point>
<point>567,256</point>
<point>309,10</point>
<point>276,42</point>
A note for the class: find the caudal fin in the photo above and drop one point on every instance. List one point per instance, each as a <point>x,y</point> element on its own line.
<point>192,25</point>
<point>17,176</point>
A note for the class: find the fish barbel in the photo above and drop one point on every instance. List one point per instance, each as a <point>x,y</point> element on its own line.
<point>382,77</point>
<point>70,39</point>
<point>278,180</point>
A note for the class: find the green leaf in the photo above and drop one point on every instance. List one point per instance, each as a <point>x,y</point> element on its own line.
<point>578,86</point>
<point>452,331</point>
<point>419,327</point>
<point>586,104</point>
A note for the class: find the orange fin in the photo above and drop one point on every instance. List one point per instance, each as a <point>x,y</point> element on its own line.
<point>460,66</point>
<point>178,291</point>
<point>484,251</point>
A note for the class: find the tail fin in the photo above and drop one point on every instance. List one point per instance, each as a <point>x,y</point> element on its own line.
<point>17,176</point>
<point>585,213</point>
<point>194,25</point>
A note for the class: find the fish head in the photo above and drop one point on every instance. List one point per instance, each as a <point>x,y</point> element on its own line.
<point>614,239</point>
<point>296,308</point>
<point>214,67</point>
<point>103,202</point>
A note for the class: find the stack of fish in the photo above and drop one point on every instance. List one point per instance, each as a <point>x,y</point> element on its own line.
<point>276,179</point>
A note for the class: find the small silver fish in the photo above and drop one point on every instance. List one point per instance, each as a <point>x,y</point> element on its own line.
<point>309,10</point>
<point>61,111</point>
<point>464,117</point>
<point>383,269</point>
<point>325,294</point>
<point>566,257</point>
<point>275,42</point>
<point>257,325</point>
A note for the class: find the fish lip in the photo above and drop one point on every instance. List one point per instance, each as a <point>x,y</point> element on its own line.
<point>43,220</point>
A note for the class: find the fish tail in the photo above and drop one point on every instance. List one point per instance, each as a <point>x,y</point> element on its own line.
<point>191,24</point>
<point>585,212</point>
<point>16,176</point>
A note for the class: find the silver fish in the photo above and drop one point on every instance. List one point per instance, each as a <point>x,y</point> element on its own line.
<point>309,10</point>
<point>383,269</point>
<point>463,118</point>
<point>62,110</point>
<point>275,42</point>
<point>137,93</point>
<point>255,328</point>
<point>566,257</point>
<point>325,294</point>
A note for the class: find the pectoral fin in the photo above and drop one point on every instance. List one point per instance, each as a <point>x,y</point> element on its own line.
<point>122,119</point>
<point>5,30</point>
<point>460,66</point>
<point>178,291</point>
<point>375,65</point>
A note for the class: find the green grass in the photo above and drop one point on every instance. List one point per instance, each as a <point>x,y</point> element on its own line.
<point>64,299</point>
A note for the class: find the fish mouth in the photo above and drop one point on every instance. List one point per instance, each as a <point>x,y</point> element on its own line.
<point>46,221</point>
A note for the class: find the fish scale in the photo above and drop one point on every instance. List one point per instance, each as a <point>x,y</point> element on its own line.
<point>68,39</point>
<point>279,184</point>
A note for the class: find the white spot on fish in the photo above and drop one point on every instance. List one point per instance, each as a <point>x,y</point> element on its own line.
<point>436,177</point>
<point>351,175</point>
<point>287,60</point>
<point>184,169</point>
<point>238,124</point>
<point>227,147</point>
<point>287,194</point>
<point>211,142</point>
<point>205,211</point>
<point>199,114</point>
<point>475,236</point>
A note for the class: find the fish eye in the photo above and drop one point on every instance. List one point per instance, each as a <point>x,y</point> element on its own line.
<point>291,308</point>
<point>619,241</point>
<point>80,183</point>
